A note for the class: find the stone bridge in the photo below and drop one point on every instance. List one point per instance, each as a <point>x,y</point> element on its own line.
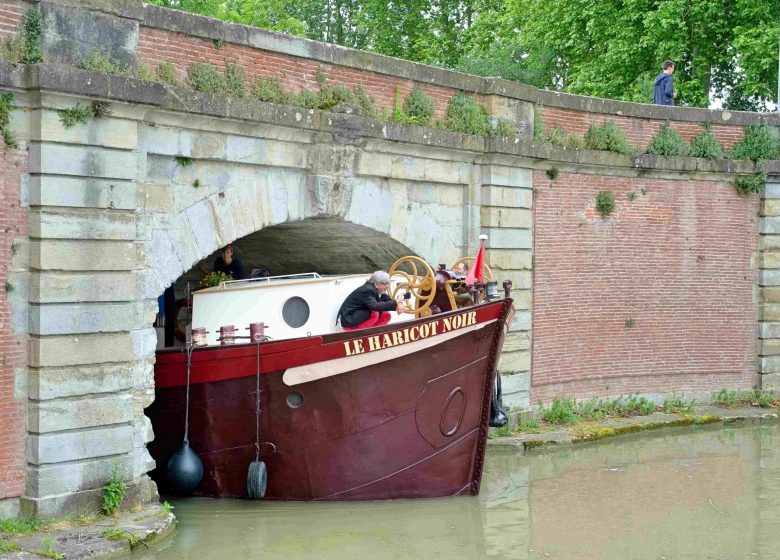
<point>673,292</point>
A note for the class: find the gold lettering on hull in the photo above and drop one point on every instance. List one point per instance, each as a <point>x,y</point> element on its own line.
<point>409,334</point>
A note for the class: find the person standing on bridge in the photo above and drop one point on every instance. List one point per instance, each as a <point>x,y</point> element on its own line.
<point>369,305</point>
<point>663,88</point>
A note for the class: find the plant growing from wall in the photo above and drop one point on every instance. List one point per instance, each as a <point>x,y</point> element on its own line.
<point>270,91</point>
<point>605,203</point>
<point>47,550</point>
<point>166,71</point>
<point>750,184</point>
<point>419,107</point>
<point>183,161</point>
<point>760,142</point>
<point>539,128</point>
<point>559,137</point>
<point>196,184</point>
<point>80,114</point>
<point>99,62</point>
<point>114,491</point>
<point>666,142</point>
<point>503,127</point>
<point>6,106</point>
<point>705,145</point>
<point>32,27</point>
<point>466,116</point>
<point>608,137</point>
<point>235,80</point>
<point>202,76</point>
<point>552,173</point>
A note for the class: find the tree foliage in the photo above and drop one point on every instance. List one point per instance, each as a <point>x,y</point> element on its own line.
<point>726,50</point>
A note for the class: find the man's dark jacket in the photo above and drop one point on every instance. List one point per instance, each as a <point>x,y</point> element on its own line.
<point>235,268</point>
<point>360,303</point>
<point>663,89</point>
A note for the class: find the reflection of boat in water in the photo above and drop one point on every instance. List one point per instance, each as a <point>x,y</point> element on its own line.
<point>398,411</point>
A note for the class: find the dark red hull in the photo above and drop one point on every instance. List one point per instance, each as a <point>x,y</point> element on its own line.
<point>413,426</point>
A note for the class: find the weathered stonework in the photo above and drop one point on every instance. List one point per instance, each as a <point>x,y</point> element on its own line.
<point>106,218</point>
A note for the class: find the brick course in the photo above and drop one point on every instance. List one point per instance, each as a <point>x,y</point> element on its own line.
<point>13,163</point>
<point>675,261</point>
<point>11,16</point>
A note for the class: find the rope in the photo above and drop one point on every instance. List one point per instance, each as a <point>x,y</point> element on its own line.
<point>187,409</point>
<point>257,406</point>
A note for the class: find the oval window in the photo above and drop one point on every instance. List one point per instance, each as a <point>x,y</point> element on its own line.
<point>295,312</point>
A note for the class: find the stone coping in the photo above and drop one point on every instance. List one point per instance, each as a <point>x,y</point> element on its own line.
<point>213,29</point>
<point>148,525</point>
<point>592,431</point>
<point>346,128</point>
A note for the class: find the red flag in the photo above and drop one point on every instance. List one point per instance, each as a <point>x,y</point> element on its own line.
<point>475,272</point>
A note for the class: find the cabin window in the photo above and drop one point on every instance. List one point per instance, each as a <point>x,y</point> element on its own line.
<point>295,312</point>
<point>294,399</point>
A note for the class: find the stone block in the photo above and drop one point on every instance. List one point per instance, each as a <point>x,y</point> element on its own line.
<point>87,379</point>
<point>54,287</point>
<point>770,224</point>
<point>424,169</point>
<point>517,259</point>
<point>78,445</point>
<point>771,191</point>
<point>139,491</point>
<point>515,361</point>
<point>144,342</point>
<point>208,145</point>
<point>516,341</point>
<point>156,198</point>
<point>74,413</point>
<point>17,291</point>
<point>245,149</point>
<point>200,218</point>
<point>505,176</point>
<point>770,364</point>
<point>769,277</point>
<point>770,295</point>
<point>51,480</point>
<point>770,382</point>
<point>9,508</point>
<point>521,279</point>
<point>82,161</point>
<point>161,140</point>
<point>769,312</point>
<point>284,154</point>
<point>506,217</point>
<point>106,132</point>
<point>83,224</point>
<point>521,322</point>
<point>508,238</point>
<point>77,192</point>
<point>506,197</point>
<point>372,164</point>
<point>85,255</point>
<point>78,318</point>
<point>57,351</point>
<point>769,347</point>
<point>770,207</point>
<point>521,299</point>
<point>770,259</point>
<point>516,390</point>
<point>768,329</point>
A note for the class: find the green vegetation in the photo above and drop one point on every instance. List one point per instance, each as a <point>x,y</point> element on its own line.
<point>166,507</point>
<point>32,26</point>
<point>78,114</point>
<point>751,184</point>
<point>196,184</point>
<point>676,404</point>
<point>559,137</point>
<point>760,142</point>
<point>19,526</point>
<point>608,137</point>
<point>754,397</point>
<point>466,116</point>
<point>202,76</point>
<point>99,62</point>
<point>6,106</point>
<point>705,145</point>
<point>667,142</point>
<point>183,161</point>
<point>605,203</point>
<point>539,127</point>
<point>552,173</point>
<point>8,546</point>
<point>235,80</point>
<point>566,411</point>
<point>214,279</point>
<point>114,491</point>
<point>47,550</point>
<point>101,109</point>
<point>166,71</point>
<point>117,534</point>
<point>418,107</point>
<point>528,425</point>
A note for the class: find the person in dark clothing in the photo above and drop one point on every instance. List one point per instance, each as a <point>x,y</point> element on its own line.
<point>663,88</point>
<point>369,305</point>
<point>229,264</point>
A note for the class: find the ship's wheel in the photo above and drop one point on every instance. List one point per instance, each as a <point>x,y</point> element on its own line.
<point>416,278</point>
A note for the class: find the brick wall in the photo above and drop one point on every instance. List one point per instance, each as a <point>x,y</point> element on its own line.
<point>13,163</point>
<point>639,131</point>
<point>659,297</point>
<point>11,16</point>
<point>157,45</point>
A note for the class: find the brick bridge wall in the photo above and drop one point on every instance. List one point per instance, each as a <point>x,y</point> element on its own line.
<point>663,296</point>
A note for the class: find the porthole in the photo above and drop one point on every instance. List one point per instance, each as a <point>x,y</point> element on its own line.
<point>294,399</point>
<point>295,312</point>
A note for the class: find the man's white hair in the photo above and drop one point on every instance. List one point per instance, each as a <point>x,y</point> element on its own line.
<point>379,277</point>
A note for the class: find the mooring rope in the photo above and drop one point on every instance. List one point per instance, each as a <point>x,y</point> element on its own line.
<point>257,407</point>
<point>187,409</point>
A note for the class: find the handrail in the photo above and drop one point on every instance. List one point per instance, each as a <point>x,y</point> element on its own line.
<point>267,279</point>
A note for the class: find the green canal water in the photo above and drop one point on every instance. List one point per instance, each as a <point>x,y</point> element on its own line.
<point>701,494</point>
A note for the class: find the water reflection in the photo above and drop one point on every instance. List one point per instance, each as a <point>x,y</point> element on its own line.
<point>709,493</point>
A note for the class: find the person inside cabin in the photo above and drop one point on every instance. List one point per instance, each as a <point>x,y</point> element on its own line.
<point>228,263</point>
<point>369,305</point>
<point>461,290</point>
